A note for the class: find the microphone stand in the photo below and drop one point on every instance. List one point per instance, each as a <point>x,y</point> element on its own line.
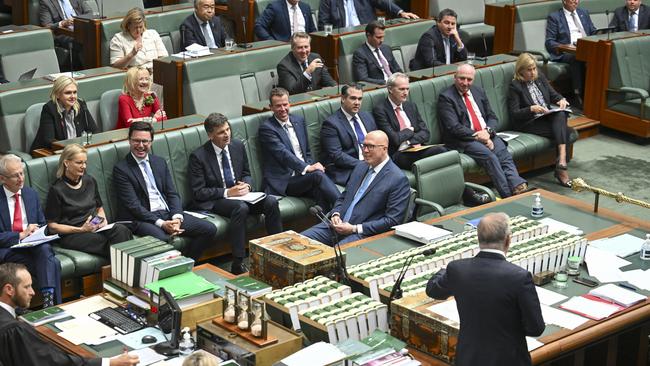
<point>396,291</point>
<point>342,272</point>
<point>244,45</point>
<point>70,57</point>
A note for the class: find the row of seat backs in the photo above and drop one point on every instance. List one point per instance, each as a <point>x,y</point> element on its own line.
<point>630,67</point>
<point>16,126</point>
<point>23,51</point>
<point>167,24</point>
<point>111,8</point>
<point>403,40</point>
<point>470,16</point>
<point>230,81</point>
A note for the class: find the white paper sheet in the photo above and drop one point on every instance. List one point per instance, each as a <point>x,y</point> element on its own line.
<point>617,294</point>
<point>562,318</point>
<point>593,309</point>
<point>555,226</point>
<point>548,297</point>
<point>86,306</point>
<point>147,356</point>
<point>83,330</point>
<point>533,343</point>
<point>318,354</point>
<point>447,309</point>
<point>604,265</point>
<point>622,245</point>
<point>638,278</point>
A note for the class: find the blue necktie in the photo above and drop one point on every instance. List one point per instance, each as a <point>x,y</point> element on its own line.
<point>630,25</point>
<point>357,196</point>
<point>152,182</point>
<point>67,9</point>
<point>227,172</point>
<point>358,130</point>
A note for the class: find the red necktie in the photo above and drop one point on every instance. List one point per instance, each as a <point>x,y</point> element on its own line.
<point>402,123</point>
<point>476,124</point>
<point>18,215</point>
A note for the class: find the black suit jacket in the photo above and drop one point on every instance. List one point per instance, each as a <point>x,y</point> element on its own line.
<point>32,209</point>
<point>290,75</point>
<point>431,50</point>
<point>333,11</point>
<point>365,66</point>
<point>21,345</point>
<point>387,121</point>
<point>452,112</point>
<point>519,99</point>
<point>50,12</point>
<point>52,125</point>
<point>498,307</point>
<point>622,16</point>
<point>131,189</point>
<point>193,33</point>
<point>205,175</point>
<point>274,23</point>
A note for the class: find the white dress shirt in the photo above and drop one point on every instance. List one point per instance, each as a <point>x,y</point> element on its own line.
<point>11,202</point>
<point>156,200</point>
<point>152,47</point>
<point>293,138</point>
<point>495,251</point>
<point>574,29</point>
<point>218,151</point>
<point>477,110</point>
<point>299,16</point>
<point>351,123</point>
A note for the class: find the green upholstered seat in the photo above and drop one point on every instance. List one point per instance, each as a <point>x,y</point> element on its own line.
<point>117,8</point>
<point>629,77</point>
<point>23,51</point>
<point>108,109</point>
<point>470,17</point>
<point>32,121</point>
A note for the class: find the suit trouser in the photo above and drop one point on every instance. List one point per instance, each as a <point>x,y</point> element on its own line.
<point>202,232</point>
<point>40,262</point>
<point>552,126</point>
<point>238,212</point>
<point>320,232</point>
<point>96,243</point>
<point>498,164</point>
<point>404,160</point>
<point>577,71</point>
<point>316,185</point>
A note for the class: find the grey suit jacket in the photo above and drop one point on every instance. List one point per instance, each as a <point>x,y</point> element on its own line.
<point>50,12</point>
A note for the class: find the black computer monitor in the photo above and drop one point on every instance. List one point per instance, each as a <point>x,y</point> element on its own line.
<point>169,321</point>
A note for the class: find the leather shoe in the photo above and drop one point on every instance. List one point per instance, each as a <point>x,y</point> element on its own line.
<point>477,199</point>
<point>523,187</point>
<point>238,269</point>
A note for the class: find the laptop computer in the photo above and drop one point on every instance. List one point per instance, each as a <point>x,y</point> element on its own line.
<point>29,75</point>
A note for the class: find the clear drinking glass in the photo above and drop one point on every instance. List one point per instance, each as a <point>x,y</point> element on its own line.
<point>230,43</point>
<point>328,29</point>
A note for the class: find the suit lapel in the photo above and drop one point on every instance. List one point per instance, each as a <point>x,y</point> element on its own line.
<point>378,177</point>
<point>371,55</point>
<point>346,126</point>
<point>529,98</point>
<point>286,15</point>
<point>237,161</point>
<point>284,135</point>
<point>565,24</point>
<point>4,211</point>
<point>212,161</point>
<point>137,173</point>
<point>391,114</point>
<point>59,9</point>
<point>200,30</point>
<point>302,139</point>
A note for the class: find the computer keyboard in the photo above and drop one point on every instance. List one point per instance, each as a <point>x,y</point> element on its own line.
<point>118,319</point>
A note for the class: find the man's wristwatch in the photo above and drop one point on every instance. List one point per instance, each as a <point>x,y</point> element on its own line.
<point>491,131</point>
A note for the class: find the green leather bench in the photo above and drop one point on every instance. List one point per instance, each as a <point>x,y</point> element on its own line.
<point>23,51</point>
<point>470,17</point>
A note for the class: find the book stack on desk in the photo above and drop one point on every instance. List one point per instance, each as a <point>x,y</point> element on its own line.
<point>187,289</point>
<point>546,252</point>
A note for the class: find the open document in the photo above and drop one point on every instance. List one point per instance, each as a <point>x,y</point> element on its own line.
<point>36,238</point>
<point>554,109</point>
<point>251,197</point>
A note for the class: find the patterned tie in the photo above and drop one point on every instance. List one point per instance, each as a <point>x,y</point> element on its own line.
<point>358,131</point>
<point>227,172</point>
<point>630,25</point>
<point>18,215</point>
<point>447,50</point>
<point>294,17</point>
<point>67,8</point>
<point>578,24</point>
<point>476,124</point>
<point>384,63</point>
<point>152,182</point>
<point>357,196</point>
<point>402,123</point>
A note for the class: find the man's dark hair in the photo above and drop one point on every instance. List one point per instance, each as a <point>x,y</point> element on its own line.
<point>141,126</point>
<point>9,274</point>
<point>277,92</point>
<point>370,28</point>
<point>215,120</point>
<point>345,88</point>
<point>446,13</point>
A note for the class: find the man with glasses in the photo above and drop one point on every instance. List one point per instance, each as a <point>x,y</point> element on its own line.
<point>146,196</point>
<point>20,216</point>
<point>375,199</point>
<point>203,27</point>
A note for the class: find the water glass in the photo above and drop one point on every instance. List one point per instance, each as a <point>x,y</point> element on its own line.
<point>230,43</point>
<point>381,20</point>
<point>328,29</point>
<point>573,265</point>
<point>561,279</point>
<point>470,57</point>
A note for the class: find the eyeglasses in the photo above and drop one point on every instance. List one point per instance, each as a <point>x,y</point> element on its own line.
<point>140,141</point>
<point>370,147</point>
<point>15,176</point>
<point>207,7</point>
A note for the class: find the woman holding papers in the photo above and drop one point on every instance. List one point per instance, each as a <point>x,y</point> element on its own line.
<point>74,208</point>
<point>136,45</point>
<point>137,102</point>
<point>529,102</point>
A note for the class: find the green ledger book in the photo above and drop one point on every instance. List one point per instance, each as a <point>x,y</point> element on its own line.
<point>40,317</point>
<point>135,261</point>
<point>250,285</point>
<point>172,267</point>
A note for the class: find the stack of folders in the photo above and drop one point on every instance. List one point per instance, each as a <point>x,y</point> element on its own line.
<point>603,301</point>
<point>352,316</point>
<point>378,349</point>
<point>44,316</point>
<point>618,295</point>
<point>188,289</point>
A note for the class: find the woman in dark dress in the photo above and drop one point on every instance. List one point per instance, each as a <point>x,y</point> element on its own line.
<point>74,208</point>
<point>529,101</point>
<point>65,116</point>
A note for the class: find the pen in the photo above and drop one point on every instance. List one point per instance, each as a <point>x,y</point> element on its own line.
<point>627,286</point>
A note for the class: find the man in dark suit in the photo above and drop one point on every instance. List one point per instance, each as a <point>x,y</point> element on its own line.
<point>374,61</point>
<point>440,45</point>
<point>350,13</point>
<point>21,344</point>
<point>203,27</point>
<point>288,167</point>
<point>631,17</point>
<point>282,18</point>
<point>58,14</point>
<point>301,70</point>
<point>20,215</point>
<point>219,171</point>
<point>496,300</point>
<point>469,126</point>
<point>564,27</point>
<point>146,196</point>
<point>342,134</point>
<point>375,198</point>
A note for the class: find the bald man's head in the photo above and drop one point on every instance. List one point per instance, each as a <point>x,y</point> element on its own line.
<point>375,147</point>
<point>464,78</point>
<point>494,231</point>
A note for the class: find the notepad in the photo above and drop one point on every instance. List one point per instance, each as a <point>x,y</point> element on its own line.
<point>618,295</point>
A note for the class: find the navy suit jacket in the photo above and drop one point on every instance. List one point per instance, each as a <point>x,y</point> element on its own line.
<point>205,175</point>
<point>193,33</point>
<point>333,11</point>
<point>431,50</point>
<point>34,215</point>
<point>291,77</point>
<point>131,189</point>
<point>557,30</point>
<point>278,156</point>
<point>340,148</point>
<point>383,204</point>
<point>387,122</point>
<point>622,16</point>
<point>452,112</point>
<point>274,23</point>
<point>498,308</point>
<point>520,100</point>
<point>365,66</point>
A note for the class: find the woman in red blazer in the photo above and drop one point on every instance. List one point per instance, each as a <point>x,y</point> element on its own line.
<point>138,103</point>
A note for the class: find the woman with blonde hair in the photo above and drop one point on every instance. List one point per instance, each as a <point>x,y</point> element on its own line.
<point>64,116</point>
<point>74,209</point>
<point>136,45</point>
<point>137,102</point>
<point>200,358</point>
<point>530,100</point>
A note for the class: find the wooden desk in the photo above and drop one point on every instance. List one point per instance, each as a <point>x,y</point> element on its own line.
<point>594,343</point>
<point>502,17</point>
<point>237,10</point>
<point>429,72</point>
<point>168,72</point>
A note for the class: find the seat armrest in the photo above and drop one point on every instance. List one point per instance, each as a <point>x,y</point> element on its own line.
<point>422,202</point>
<point>630,90</point>
<point>484,189</point>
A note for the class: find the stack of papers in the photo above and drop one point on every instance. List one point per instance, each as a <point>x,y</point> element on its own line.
<point>36,238</point>
<point>318,354</point>
<point>555,226</point>
<point>548,297</point>
<point>194,50</point>
<point>447,309</point>
<point>618,295</point>
<point>604,265</point>
<point>622,245</point>
<point>251,197</point>
<point>420,232</point>
<point>561,318</point>
<point>592,309</point>
<point>638,278</point>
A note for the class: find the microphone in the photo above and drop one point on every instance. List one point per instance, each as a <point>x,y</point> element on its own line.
<point>101,10</point>
<point>273,85</point>
<point>338,76</point>
<point>162,111</point>
<point>244,45</point>
<point>71,64</point>
<point>183,39</point>
<point>396,292</point>
<point>84,111</point>
<point>485,49</point>
<point>609,30</point>
<point>342,272</point>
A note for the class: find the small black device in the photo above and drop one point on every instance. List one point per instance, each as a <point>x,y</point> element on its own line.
<point>169,321</point>
<point>585,281</point>
<point>118,319</point>
<point>96,220</point>
<point>148,339</point>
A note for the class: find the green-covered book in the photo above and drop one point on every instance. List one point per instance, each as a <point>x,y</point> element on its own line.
<point>172,268</point>
<point>135,261</point>
<point>250,285</point>
<point>186,288</point>
<point>40,317</point>
<point>116,253</point>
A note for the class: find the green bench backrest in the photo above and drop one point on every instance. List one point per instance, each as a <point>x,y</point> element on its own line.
<point>23,51</point>
<point>630,65</point>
